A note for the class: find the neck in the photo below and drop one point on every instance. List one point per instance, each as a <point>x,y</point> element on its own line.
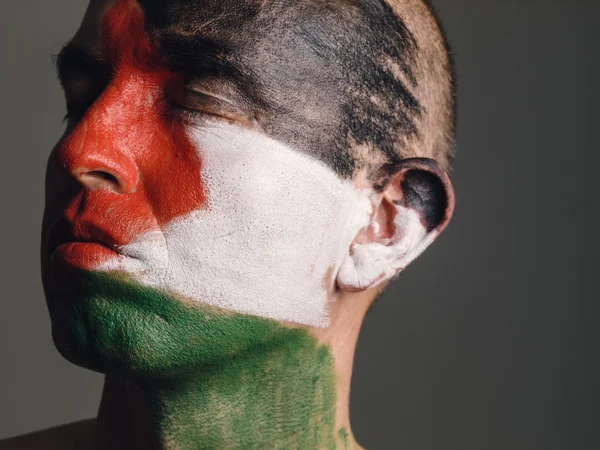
<point>292,394</point>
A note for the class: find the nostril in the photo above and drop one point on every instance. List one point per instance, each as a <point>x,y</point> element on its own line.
<point>103,176</point>
<point>99,179</point>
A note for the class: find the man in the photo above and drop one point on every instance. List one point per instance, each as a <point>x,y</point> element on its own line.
<point>237,183</point>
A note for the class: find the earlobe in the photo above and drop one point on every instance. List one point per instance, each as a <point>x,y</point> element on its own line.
<point>417,202</point>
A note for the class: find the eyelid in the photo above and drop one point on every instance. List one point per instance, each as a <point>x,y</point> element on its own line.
<point>202,99</point>
<point>204,102</point>
<point>76,82</point>
<point>81,87</point>
<point>74,59</point>
<point>208,94</point>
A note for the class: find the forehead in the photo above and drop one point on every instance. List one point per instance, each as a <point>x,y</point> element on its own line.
<point>242,24</point>
<point>314,74</point>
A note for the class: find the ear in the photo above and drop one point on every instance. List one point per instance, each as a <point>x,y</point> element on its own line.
<point>415,203</point>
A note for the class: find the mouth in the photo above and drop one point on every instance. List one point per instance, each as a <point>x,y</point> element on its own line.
<point>82,254</point>
<point>80,245</point>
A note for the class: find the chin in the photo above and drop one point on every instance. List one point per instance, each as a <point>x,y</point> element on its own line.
<point>110,324</point>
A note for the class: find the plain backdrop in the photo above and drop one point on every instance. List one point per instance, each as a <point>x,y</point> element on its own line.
<point>488,341</point>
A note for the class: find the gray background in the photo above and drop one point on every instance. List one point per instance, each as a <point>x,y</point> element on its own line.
<point>487,341</point>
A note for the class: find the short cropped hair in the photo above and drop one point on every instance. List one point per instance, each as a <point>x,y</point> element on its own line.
<point>417,117</point>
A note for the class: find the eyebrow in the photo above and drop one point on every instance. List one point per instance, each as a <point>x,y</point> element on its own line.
<point>74,57</point>
<point>185,53</point>
<point>195,57</point>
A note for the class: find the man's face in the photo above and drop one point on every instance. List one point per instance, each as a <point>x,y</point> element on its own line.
<point>198,163</point>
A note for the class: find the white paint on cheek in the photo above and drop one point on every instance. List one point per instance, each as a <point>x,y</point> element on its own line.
<point>275,223</point>
<point>148,252</point>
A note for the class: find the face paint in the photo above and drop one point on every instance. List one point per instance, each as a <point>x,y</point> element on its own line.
<point>213,212</point>
<point>275,223</point>
<point>127,134</point>
<point>185,231</point>
<point>331,79</point>
<point>376,261</point>
<point>175,352</point>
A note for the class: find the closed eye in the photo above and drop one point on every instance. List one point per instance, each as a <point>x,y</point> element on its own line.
<point>83,76</point>
<point>81,92</point>
<point>195,103</point>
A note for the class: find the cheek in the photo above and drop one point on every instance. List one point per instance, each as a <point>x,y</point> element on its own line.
<point>272,194</point>
<point>275,226</point>
<point>275,201</point>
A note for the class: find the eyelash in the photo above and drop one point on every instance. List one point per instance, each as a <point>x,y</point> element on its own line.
<point>188,115</point>
<point>174,110</point>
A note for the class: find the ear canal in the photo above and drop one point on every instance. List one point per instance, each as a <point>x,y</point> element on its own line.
<point>424,193</point>
<point>423,201</point>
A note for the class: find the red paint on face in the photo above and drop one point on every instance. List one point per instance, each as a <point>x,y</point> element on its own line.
<point>127,134</point>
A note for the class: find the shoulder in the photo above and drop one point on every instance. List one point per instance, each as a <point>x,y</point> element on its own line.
<point>75,436</point>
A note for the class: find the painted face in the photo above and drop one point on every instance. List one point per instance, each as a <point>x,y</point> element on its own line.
<point>187,185</point>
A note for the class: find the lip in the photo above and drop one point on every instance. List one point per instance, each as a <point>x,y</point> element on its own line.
<point>82,254</point>
<point>80,244</point>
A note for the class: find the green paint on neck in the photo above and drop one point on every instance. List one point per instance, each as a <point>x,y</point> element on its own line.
<point>281,396</point>
<point>216,380</point>
<point>344,437</point>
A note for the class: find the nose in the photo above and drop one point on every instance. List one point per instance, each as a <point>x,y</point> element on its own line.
<point>98,179</point>
<point>104,169</point>
<point>97,158</point>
